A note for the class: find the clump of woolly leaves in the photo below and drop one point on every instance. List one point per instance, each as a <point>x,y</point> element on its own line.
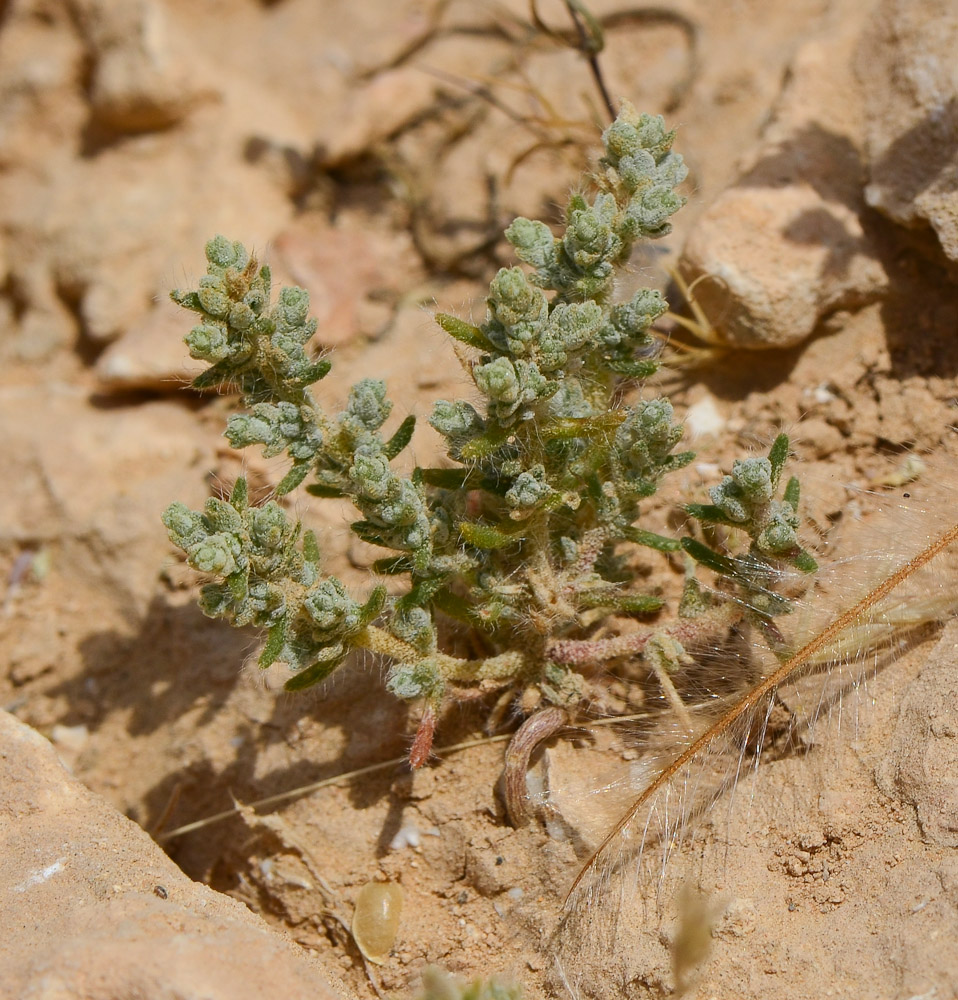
<point>519,536</point>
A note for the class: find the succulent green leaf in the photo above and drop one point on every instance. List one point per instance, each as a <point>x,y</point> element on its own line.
<point>709,558</point>
<point>708,513</point>
<point>630,604</point>
<point>238,586</point>
<point>292,479</point>
<point>222,372</point>
<point>311,548</point>
<point>401,438</point>
<point>485,536</point>
<point>778,456</point>
<point>274,645</point>
<point>793,493</point>
<point>371,533</point>
<point>316,673</point>
<point>651,540</point>
<point>327,492</point>
<point>640,604</point>
<point>805,562</point>
<point>464,332</point>
<point>485,445</point>
<point>583,427</point>
<point>315,372</point>
<point>239,498</point>
<point>633,369</point>
<point>373,607</point>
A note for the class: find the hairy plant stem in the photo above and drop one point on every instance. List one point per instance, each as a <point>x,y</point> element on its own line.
<point>502,667</point>
<point>583,653</point>
<point>542,580</point>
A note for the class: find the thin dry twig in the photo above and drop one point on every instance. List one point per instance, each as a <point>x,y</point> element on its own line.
<point>765,687</point>
<point>539,727</point>
<point>346,776</point>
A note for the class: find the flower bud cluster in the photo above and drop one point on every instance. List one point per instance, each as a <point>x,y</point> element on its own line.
<point>636,202</point>
<point>458,421</point>
<point>529,489</point>
<point>644,442</point>
<point>254,345</point>
<point>747,498</point>
<point>421,679</point>
<point>628,323</point>
<point>510,386</point>
<point>641,163</point>
<point>278,427</point>
<point>268,580</point>
<point>395,508</point>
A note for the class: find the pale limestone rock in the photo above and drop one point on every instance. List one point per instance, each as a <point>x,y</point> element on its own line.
<point>779,259</point>
<point>142,77</point>
<point>922,761</point>
<point>909,78</point>
<point>92,483</point>
<point>344,268</point>
<point>786,245</point>
<point>91,907</point>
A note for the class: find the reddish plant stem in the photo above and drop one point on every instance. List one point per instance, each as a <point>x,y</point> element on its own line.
<point>421,749</point>
<point>586,652</point>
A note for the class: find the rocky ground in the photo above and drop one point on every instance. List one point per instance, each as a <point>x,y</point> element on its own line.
<point>374,152</point>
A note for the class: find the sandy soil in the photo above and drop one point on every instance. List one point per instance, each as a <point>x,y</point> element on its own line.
<point>375,152</point>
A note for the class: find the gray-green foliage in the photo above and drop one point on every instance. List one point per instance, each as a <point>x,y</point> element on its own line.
<point>518,536</point>
<point>271,578</point>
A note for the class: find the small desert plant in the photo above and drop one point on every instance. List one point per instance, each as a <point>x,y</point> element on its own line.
<point>524,536</point>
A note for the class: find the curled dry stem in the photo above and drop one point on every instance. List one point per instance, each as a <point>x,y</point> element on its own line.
<point>533,732</point>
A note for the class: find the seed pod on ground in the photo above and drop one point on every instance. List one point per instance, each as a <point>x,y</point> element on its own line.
<point>376,919</point>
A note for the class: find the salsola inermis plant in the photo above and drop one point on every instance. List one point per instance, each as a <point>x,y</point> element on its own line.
<point>523,535</point>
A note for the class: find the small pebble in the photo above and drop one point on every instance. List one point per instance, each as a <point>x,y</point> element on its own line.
<point>703,418</point>
<point>407,836</point>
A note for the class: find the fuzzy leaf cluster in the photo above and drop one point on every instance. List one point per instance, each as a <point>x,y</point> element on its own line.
<point>269,577</point>
<point>522,534</point>
<point>254,345</point>
<point>747,500</point>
